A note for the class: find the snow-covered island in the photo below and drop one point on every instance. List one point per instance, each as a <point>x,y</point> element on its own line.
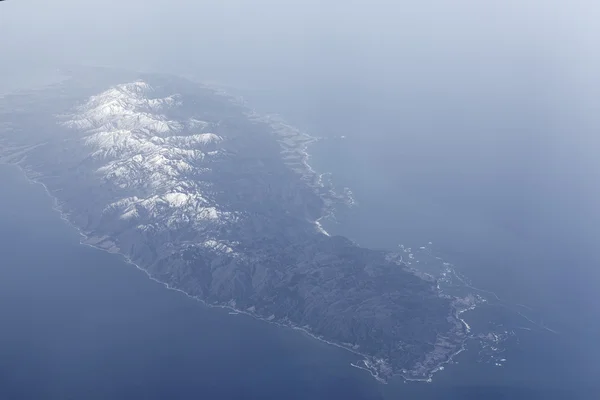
<point>204,196</point>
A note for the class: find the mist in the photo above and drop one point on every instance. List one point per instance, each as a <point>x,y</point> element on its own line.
<point>529,55</point>
<point>370,42</point>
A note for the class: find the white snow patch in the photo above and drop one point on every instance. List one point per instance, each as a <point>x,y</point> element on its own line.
<point>141,149</point>
<point>176,199</point>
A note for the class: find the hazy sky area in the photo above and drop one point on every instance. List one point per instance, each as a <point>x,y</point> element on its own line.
<point>456,52</point>
<point>371,42</point>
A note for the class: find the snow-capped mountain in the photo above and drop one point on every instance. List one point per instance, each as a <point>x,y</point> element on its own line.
<point>139,148</point>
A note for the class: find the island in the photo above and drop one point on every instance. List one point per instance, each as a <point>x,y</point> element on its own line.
<point>210,198</point>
